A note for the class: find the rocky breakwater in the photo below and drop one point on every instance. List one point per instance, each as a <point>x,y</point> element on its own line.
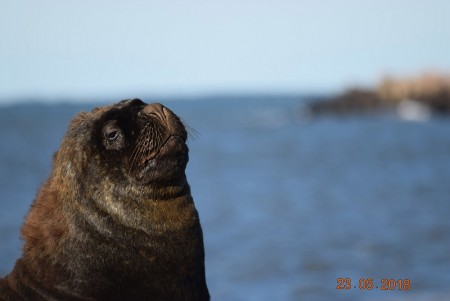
<point>410,98</point>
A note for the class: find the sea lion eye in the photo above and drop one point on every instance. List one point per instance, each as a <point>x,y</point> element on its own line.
<point>113,136</point>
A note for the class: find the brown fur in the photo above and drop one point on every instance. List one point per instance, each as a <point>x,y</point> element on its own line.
<point>115,220</point>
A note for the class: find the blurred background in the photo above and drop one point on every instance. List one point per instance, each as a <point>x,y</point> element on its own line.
<point>324,136</point>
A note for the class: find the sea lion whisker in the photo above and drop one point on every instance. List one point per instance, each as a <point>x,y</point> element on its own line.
<point>146,146</point>
<point>133,154</point>
<point>192,133</point>
<point>139,152</point>
<point>141,143</point>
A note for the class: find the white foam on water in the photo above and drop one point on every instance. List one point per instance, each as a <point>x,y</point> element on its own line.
<point>412,110</point>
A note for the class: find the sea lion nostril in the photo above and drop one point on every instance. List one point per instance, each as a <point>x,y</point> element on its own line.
<point>156,109</point>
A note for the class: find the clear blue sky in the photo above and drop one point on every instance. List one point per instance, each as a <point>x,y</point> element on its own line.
<point>55,49</point>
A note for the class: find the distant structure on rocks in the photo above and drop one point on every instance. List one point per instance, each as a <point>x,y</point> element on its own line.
<point>422,95</point>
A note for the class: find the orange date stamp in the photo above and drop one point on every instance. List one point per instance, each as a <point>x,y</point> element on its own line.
<point>369,284</point>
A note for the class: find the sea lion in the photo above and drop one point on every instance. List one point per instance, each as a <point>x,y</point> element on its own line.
<point>115,220</point>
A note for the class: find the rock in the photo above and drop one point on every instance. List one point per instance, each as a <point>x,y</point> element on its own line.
<point>431,92</point>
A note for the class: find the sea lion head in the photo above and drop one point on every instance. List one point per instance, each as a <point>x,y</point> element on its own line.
<point>131,142</point>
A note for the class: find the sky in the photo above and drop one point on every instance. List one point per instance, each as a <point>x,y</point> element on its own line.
<point>83,50</point>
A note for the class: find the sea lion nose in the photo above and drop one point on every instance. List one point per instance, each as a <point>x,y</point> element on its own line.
<point>165,117</point>
<point>157,110</point>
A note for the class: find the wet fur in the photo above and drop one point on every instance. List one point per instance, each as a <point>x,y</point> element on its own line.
<point>113,224</point>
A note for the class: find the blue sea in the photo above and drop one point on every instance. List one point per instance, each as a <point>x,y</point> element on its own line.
<point>288,204</point>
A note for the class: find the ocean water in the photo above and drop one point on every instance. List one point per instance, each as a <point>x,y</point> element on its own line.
<point>288,204</point>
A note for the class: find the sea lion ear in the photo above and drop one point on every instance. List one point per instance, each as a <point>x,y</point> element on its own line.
<point>79,122</point>
<point>74,148</point>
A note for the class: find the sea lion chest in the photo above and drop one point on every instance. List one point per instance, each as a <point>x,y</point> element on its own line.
<point>140,249</point>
